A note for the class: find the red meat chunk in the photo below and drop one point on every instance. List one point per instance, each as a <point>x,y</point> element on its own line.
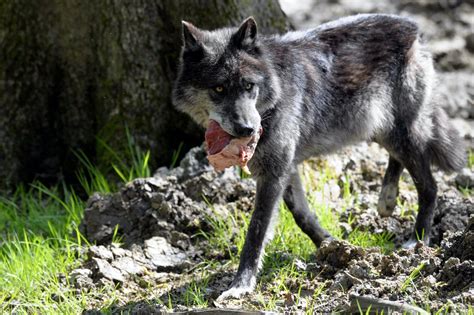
<point>224,150</point>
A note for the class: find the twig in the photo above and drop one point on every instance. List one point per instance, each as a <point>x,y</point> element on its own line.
<point>375,305</point>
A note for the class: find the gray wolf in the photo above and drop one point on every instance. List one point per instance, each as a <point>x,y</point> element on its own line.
<point>359,78</point>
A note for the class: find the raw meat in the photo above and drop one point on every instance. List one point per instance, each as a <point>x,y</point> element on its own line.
<point>224,150</point>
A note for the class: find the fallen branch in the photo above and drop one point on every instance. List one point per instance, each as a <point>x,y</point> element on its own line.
<point>375,305</point>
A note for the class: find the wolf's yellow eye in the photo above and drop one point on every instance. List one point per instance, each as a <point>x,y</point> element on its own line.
<point>248,86</point>
<point>219,89</point>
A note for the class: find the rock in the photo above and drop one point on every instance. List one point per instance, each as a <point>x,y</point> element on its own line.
<point>118,252</point>
<point>341,282</point>
<point>451,214</point>
<point>455,93</point>
<point>299,265</point>
<point>449,54</point>
<point>466,130</point>
<point>171,201</point>
<point>128,265</point>
<point>465,179</point>
<point>454,60</point>
<point>450,263</point>
<point>461,244</point>
<point>100,252</point>
<point>180,240</point>
<point>194,164</point>
<point>102,268</point>
<point>81,278</point>
<point>338,254</point>
<point>429,281</point>
<point>164,256</point>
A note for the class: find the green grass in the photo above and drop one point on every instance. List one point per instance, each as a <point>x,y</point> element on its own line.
<point>195,293</point>
<point>468,192</point>
<point>470,159</point>
<point>410,280</point>
<point>121,169</point>
<point>37,249</point>
<point>40,239</point>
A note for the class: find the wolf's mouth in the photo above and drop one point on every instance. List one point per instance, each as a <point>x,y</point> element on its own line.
<point>225,150</point>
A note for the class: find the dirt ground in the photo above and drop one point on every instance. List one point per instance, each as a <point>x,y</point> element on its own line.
<point>160,217</point>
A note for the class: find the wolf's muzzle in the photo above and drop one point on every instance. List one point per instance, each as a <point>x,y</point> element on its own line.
<point>241,130</point>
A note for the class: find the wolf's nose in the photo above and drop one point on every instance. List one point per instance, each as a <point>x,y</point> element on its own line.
<point>243,130</point>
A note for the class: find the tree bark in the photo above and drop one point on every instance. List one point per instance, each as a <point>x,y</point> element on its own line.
<point>74,70</point>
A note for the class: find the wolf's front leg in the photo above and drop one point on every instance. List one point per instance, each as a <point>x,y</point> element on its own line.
<point>264,217</point>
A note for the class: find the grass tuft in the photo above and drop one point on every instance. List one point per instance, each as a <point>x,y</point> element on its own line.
<point>37,249</point>
<point>123,168</point>
<point>40,241</point>
<point>410,280</point>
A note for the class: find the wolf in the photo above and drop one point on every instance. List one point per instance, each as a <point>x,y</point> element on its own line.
<point>367,77</point>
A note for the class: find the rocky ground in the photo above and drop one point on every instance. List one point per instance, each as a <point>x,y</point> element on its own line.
<point>159,219</point>
<point>157,245</point>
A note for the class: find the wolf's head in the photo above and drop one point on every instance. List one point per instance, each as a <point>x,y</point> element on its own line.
<point>225,76</point>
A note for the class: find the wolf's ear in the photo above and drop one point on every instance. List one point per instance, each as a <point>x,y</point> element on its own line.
<point>191,36</point>
<point>247,33</point>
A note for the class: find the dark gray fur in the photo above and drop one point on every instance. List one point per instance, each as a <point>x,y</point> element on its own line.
<point>360,78</point>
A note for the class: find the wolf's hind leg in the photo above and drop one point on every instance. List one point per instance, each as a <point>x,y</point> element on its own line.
<point>295,199</point>
<point>389,193</point>
<point>418,165</point>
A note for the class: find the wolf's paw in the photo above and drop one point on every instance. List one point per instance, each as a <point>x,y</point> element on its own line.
<point>413,242</point>
<point>387,200</point>
<point>235,293</point>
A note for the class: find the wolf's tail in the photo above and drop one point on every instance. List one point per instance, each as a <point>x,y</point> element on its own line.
<point>446,147</point>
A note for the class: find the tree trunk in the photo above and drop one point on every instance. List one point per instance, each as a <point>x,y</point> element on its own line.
<point>74,70</point>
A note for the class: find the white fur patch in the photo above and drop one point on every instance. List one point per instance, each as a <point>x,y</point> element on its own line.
<point>379,116</point>
<point>293,36</point>
<point>347,20</point>
<point>420,66</point>
<point>247,103</point>
<point>237,292</point>
<point>196,103</point>
<point>215,116</point>
<point>380,113</point>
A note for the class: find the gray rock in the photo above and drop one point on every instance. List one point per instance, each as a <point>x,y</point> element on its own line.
<point>128,265</point>
<point>164,256</point>
<point>158,182</point>
<point>341,282</point>
<point>455,92</point>
<point>119,252</point>
<point>194,164</point>
<point>179,239</point>
<point>465,179</point>
<point>81,278</point>
<point>103,269</point>
<point>138,255</point>
<point>100,252</point>
<point>465,128</point>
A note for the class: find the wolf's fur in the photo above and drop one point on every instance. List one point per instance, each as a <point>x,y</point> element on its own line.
<point>366,77</point>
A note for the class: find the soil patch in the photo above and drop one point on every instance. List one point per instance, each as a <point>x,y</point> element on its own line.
<point>159,219</point>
